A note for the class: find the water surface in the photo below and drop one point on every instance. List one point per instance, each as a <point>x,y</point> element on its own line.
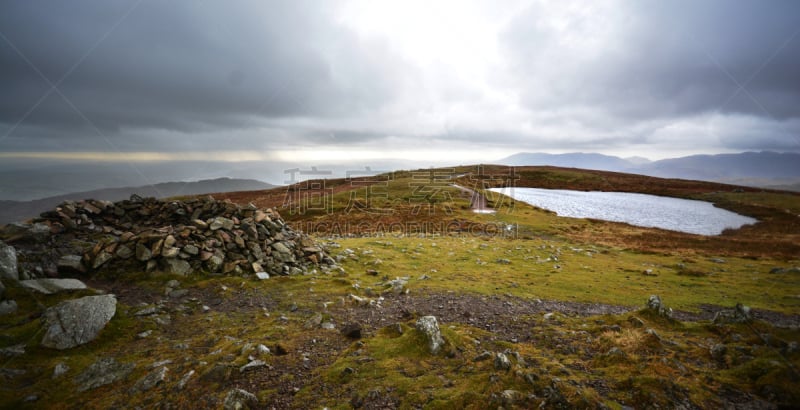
<point>684,215</point>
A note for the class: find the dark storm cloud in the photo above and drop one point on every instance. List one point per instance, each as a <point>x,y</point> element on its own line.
<point>653,59</point>
<point>182,65</point>
<point>264,75</point>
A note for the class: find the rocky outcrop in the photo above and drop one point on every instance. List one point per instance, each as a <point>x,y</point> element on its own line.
<point>8,262</point>
<point>76,322</point>
<point>177,237</point>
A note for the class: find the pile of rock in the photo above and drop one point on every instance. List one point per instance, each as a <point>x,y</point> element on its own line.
<point>177,237</point>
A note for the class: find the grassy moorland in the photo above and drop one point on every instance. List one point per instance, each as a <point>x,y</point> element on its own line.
<point>562,299</point>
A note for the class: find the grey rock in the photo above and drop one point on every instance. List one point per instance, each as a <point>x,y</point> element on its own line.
<point>70,263</point>
<point>221,223</point>
<point>238,399</point>
<point>8,307</point>
<point>151,379</point>
<point>509,397</point>
<point>739,314</point>
<point>254,364</point>
<point>501,362</point>
<point>177,267</point>
<point>397,286</point>
<point>170,252</point>
<point>102,372</point>
<point>718,351</point>
<point>13,351</point>
<point>214,263</point>
<point>150,310</point>
<point>8,262</point>
<point>191,249</point>
<point>124,252</point>
<point>483,356</point>
<point>184,380</point>
<point>262,350</point>
<point>429,327</point>
<point>143,253</point>
<point>654,303</point>
<point>314,321</point>
<point>262,275</point>
<point>101,259</point>
<point>49,286</point>
<point>60,369</point>
<point>178,293</point>
<point>75,322</point>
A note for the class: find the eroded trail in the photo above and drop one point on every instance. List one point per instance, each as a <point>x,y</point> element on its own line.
<point>477,201</point>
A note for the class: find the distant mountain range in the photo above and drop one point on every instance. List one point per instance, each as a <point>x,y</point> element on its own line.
<point>763,169</point>
<point>11,211</point>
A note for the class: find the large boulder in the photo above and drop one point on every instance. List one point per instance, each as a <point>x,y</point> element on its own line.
<point>429,327</point>
<point>8,262</point>
<point>76,322</point>
<point>49,286</point>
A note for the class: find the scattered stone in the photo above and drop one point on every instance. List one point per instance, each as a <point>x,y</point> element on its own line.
<point>718,352</point>
<point>262,350</point>
<point>60,369</point>
<point>70,263</point>
<point>143,253</point>
<point>75,322</point>
<point>262,275</point>
<point>8,307</point>
<point>49,286</point>
<point>328,325</point>
<point>429,327</point>
<point>144,334</point>
<point>8,262</point>
<point>397,286</point>
<point>237,399</point>
<point>352,330</point>
<point>718,260</point>
<point>150,310</point>
<point>178,293</point>
<point>254,364</point>
<point>13,351</point>
<point>503,261</point>
<point>635,321</point>
<point>739,314</point>
<point>795,269</point>
<point>548,316</point>
<point>486,355</point>
<point>501,362</point>
<point>508,398</point>
<point>314,321</point>
<point>102,372</point>
<point>184,380</point>
<point>151,379</point>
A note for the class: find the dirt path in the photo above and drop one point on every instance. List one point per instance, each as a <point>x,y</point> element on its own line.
<point>477,200</point>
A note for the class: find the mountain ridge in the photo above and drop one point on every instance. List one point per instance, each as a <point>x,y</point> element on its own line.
<point>11,211</point>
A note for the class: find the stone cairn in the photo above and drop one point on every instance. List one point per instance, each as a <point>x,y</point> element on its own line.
<point>180,237</point>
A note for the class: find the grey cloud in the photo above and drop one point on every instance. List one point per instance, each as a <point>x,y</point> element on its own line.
<point>665,59</point>
<point>184,66</point>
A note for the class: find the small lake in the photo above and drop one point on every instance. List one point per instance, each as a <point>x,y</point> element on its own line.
<point>684,215</point>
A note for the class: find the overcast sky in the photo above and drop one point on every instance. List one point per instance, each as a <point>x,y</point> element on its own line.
<point>447,80</point>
